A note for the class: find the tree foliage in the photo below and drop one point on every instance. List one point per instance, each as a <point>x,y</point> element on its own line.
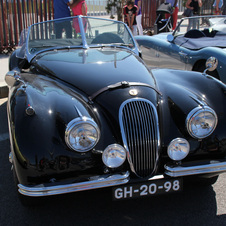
<point>115,5</point>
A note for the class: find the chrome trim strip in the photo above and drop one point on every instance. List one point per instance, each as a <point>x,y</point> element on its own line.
<point>100,182</point>
<point>122,84</point>
<point>212,167</point>
<point>83,33</point>
<point>11,157</point>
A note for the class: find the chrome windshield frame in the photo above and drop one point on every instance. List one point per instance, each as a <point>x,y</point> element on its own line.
<point>84,45</point>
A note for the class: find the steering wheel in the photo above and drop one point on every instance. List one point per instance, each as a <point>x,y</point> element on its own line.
<point>107,38</point>
<point>194,33</point>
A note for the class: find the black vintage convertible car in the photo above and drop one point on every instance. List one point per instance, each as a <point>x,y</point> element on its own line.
<point>85,112</point>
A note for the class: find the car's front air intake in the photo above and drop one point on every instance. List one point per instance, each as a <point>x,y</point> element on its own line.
<point>140,132</point>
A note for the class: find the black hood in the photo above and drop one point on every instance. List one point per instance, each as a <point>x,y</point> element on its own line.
<point>93,69</point>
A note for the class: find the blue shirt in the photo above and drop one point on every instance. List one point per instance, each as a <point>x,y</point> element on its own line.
<point>139,10</point>
<point>172,2</point>
<point>61,9</point>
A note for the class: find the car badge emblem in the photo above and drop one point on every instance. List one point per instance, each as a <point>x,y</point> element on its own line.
<point>133,92</point>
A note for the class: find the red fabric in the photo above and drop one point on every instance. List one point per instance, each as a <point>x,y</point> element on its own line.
<point>77,10</point>
<point>76,25</point>
<point>174,16</point>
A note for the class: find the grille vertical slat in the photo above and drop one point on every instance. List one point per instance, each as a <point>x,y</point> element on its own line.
<point>146,137</point>
<point>139,126</point>
<point>147,142</point>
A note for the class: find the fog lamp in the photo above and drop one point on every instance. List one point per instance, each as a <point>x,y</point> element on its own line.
<point>178,149</point>
<point>114,156</point>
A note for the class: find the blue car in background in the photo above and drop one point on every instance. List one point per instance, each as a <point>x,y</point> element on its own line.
<point>189,46</point>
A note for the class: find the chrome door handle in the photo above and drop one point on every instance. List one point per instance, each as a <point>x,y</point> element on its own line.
<point>183,54</point>
<point>157,54</point>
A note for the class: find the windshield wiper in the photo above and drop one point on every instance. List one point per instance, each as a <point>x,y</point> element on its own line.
<point>40,46</point>
<point>123,44</point>
<point>115,45</point>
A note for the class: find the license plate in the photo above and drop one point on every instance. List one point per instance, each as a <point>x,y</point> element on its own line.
<point>149,188</point>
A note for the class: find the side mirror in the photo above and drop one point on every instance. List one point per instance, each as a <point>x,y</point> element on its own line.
<point>211,64</point>
<point>170,38</point>
<point>10,78</point>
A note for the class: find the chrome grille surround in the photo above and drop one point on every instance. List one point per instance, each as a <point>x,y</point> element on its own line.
<point>139,125</point>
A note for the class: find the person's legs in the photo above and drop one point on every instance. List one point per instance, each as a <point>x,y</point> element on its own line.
<point>68,29</point>
<point>139,24</point>
<point>190,24</point>
<point>134,30</point>
<point>196,23</point>
<point>223,9</point>
<point>58,29</point>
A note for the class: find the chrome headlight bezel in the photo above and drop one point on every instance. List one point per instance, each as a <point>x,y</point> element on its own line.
<point>194,114</point>
<point>82,123</point>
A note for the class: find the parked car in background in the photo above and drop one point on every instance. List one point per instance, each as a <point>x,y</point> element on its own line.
<point>85,112</point>
<point>189,46</point>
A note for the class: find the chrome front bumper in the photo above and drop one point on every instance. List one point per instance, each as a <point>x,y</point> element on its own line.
<point>119,179</point>
<point>98,182</point>
<point>213,166</point>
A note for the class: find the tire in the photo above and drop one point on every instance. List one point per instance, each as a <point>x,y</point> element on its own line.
<point>206,181</point>
<point>202,181</point>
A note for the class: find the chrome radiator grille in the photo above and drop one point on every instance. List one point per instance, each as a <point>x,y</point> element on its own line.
<point>139,127</point>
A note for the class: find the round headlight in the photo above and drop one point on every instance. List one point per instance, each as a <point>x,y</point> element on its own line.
<point>178,149</point>
<point>82,134</point>
<point>201,122</point>
<point>114,156</point>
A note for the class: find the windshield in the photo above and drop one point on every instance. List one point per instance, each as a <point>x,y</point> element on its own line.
<point>202,23</point>
<point>82,32</point>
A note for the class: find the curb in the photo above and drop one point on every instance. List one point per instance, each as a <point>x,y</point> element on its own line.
<point>4,90</point>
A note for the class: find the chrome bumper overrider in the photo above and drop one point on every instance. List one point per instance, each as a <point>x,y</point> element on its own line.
<point>187,170</point>
<point>99,182</point>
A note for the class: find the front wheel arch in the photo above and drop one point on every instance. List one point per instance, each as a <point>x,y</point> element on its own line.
<point>200,66</point>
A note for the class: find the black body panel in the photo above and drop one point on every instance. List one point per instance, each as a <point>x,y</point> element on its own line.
<point>56,88</point>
